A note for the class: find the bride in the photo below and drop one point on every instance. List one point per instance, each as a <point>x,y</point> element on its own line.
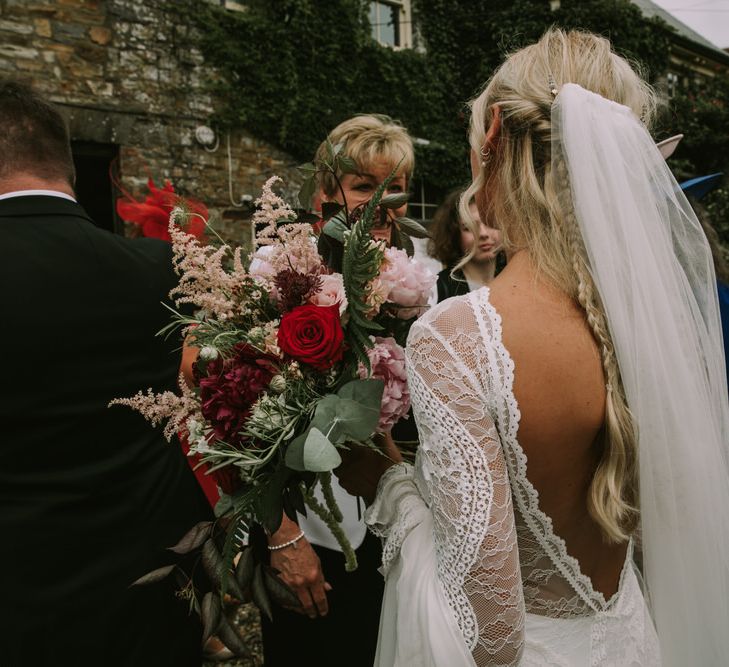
<point>569,504</point>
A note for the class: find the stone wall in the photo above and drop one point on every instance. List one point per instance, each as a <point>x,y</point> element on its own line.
<point>126,72</point>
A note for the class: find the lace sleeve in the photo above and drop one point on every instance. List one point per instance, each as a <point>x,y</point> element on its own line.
<point>464,479</point>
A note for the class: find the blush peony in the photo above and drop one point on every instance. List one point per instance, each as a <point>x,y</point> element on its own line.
<point>408,283</point>
<point>387,360</point>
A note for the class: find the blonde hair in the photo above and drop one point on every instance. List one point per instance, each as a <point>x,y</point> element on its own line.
<point>524,194</point>
<point>369,139</point>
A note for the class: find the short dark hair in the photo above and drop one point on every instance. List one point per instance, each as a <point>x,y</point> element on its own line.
<point>445,231</point>
<point>33,135</point>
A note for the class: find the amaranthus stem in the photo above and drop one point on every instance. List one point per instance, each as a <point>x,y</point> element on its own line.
<point>326,487</point>
<point>350,558</point>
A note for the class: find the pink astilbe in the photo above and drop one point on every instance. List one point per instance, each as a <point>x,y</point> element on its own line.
<point>293,242</point>
<point>387,360</point>
<point>156,408</point>
<point>204,282</point>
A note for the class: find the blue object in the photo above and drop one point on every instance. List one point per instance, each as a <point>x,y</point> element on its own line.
<point>724,310</point>
<point>702,185</point>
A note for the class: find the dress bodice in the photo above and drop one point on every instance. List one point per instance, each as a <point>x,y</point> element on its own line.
<point>499,562</point>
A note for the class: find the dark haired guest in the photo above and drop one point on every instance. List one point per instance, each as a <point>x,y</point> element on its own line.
<point>451,241</point>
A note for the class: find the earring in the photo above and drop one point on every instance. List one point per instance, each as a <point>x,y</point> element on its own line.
<point>486,156</point>
<point>552,86</point>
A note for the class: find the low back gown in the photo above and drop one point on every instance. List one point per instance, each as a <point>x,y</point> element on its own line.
<point>475,574</point>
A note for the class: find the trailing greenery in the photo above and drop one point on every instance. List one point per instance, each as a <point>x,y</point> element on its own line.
<point>293,69</point>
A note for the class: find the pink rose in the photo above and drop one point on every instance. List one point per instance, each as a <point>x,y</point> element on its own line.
<point>408,281</point>
<point>387,360</point>
<point>331,292</point>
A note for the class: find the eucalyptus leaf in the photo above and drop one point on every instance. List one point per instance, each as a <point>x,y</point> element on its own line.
<point>230,637</point>
<point>330,209</point>
<point>320,455</point>
<point>223,505</point>
<point>294,458</point>
<point>345,419</point>
<point>154,576</point>
<point>308,188</point>
<point>213,563</point>
<point>305,218</point>
<point>347,165</point>
<point>245,567</point>
<point>210,615</point>
<point>260,594</point>
<point>268,504</point>
<point>395,200</point>
<point>307,168</point>
<point>193,538</point>
<point>330,151</point>
<point>367,392</point>
<point>413,228</point>
<point>335,228</point>
<point>279,591</point>
<point>405,242</point>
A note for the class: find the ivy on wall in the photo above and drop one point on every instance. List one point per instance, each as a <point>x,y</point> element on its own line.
<point>291,70</point>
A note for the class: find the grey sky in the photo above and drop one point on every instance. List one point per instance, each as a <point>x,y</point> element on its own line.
<point>709,18</point>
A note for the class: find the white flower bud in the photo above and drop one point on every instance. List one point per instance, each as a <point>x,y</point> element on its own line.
<point>278,383</point>
<point>208,353</point>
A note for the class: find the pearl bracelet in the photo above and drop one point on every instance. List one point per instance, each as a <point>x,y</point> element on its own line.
<point>287,544</point>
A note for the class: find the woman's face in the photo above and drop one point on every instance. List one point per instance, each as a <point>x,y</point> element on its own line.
<point>488,243</point>
<point>360,188</point>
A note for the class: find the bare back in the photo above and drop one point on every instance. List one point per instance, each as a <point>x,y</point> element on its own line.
<point>560,389</point>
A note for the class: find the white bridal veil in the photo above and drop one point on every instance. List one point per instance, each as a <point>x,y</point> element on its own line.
<point>653,270</point>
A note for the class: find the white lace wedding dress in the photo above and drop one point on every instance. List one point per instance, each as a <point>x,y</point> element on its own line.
<point>475,575</point>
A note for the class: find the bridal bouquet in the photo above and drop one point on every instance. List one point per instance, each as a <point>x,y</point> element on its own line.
<point>300,357</point>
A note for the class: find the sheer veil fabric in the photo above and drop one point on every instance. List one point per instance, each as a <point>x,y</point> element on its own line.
<point>652,267</point>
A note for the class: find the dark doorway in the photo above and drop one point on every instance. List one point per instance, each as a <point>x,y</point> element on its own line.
<point>94,190</point>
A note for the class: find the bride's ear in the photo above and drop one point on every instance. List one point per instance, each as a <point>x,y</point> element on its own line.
<point>494,132</point>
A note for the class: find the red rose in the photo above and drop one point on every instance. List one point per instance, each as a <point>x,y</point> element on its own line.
<point>312,335</point>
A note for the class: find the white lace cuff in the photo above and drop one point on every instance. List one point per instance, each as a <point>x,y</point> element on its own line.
<point>397,509</point>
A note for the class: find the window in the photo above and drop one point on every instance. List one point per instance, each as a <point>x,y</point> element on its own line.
<point>671,84</point>
<point>232,5</point>
<point>391,22</point>
<point>424,201</point>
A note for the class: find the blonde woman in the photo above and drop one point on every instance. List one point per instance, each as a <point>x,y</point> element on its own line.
<point>339,610</point>
<point>573,412</point>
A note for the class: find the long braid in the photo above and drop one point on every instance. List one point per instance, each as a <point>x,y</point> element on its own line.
<point>613,491</point>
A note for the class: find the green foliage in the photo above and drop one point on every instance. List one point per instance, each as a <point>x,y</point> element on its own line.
<point>293,69</point>
<point>701,114</point>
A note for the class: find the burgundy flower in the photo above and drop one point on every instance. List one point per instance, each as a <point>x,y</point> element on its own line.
<point>228,479</point>
<point>230,388</point>
<point>295,288</point>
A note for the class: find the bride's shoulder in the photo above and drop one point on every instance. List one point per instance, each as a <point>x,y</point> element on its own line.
<point>456,315</point>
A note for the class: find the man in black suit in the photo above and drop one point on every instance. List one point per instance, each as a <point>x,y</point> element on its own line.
<point>90,496</point>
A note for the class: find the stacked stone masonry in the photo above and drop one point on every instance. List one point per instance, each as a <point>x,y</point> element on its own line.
<point>126,72</point>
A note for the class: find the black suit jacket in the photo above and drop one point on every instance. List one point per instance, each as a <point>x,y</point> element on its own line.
<point>90,496</point>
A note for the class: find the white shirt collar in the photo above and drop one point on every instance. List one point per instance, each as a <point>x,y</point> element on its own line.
<point>29,193</point>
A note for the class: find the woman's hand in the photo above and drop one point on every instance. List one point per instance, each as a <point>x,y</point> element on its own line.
<point>299,567</point>
<point>362,466</point>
